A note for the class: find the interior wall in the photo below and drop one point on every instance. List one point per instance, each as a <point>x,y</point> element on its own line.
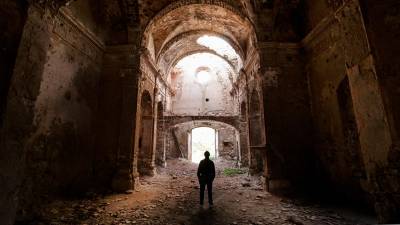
<point>13,14</point>
<point>327,71</point>
<point>48,142</point>
<point>256,131</point>
<point>338,50</point>
<point>382,19</point>
<point>195,98</point>
<point>288,124</point>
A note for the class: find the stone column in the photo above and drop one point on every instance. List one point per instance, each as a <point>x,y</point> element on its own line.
<point>127,176</point>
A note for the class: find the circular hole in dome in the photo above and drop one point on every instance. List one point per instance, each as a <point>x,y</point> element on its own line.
<point>203,76</point>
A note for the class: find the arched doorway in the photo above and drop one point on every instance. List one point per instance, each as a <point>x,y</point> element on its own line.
<point>145,158</point>
<point>203,139</point>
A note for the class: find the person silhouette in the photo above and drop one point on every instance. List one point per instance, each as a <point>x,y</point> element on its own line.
<point>206,175</point>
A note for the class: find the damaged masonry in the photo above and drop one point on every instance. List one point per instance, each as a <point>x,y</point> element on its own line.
<point>107,107</point>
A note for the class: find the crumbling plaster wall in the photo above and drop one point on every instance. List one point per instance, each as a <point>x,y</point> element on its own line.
<point>228,144</point>
<point>338,47</point>
<point>47,146</point>
<point>116,85</point>
<point>287,115</point>
<point>382,22</point>
<point>198,99</point>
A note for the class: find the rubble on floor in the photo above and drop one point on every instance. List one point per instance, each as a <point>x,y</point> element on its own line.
<point>171,198</point>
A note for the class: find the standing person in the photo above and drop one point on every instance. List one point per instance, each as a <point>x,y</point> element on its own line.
<point>206,175</point>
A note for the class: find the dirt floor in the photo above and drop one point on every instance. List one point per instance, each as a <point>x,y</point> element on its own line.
<point>172,197</point>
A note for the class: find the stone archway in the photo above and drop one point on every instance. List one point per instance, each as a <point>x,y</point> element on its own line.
<point>227,138</point>
<point>145,164</point>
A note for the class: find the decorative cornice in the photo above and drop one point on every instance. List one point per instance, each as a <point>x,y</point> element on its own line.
<point>326,23</point>
<point>153,69</point>
<point>227,4</point>
<point>322,26</point>
<point>67,29</point>
<point>66,15</point>
<point>53,5</point>
<point>188,34</point>
<point>282,45</point>
<point>121,48</point>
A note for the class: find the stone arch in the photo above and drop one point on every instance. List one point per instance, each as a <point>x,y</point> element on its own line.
<point>226,4</point>
<point>145,165</point>
<point>174,120</point>
<point>175,61</point>
<point>187,34</point>
<point>185,127</point>
<point>237,37</point>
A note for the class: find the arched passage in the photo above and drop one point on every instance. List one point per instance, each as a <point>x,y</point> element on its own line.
<point>145,164</point>
<point>227,140</point>
<point>200,66</point>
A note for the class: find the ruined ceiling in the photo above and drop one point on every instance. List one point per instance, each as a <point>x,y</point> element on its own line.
<point>273,20</point>
<point>187,44</point>
<point>148,9</point>
<point>173,32</point>
<point>199,17</point>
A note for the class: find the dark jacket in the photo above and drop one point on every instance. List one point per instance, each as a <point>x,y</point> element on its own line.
<point>206,171</point>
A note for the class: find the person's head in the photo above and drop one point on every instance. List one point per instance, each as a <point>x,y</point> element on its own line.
<point>207,154</point>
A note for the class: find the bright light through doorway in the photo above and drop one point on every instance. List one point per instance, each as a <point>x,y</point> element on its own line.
<point>203,139</point>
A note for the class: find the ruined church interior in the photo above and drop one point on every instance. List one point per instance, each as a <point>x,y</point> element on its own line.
<point>107,108</point>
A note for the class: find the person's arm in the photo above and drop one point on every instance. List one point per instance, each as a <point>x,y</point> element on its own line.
<point>198,171</point>
<point>213,171</point>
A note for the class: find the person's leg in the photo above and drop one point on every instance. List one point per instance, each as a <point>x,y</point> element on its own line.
<point>202,188</point>
<point>209,190</point>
